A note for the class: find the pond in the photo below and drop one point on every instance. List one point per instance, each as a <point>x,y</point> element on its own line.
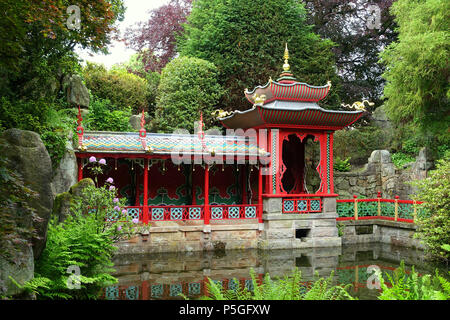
<point>166,275</point>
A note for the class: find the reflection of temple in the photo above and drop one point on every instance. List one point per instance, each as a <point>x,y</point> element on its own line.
<point>164,276</point>
<point>257,176</point>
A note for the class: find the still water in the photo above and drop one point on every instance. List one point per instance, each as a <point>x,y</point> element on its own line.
<point>166,275</point>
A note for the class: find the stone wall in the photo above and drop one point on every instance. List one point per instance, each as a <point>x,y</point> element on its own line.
<point>168,236</point>
<point>290,231</point>
<point>380,174</point>
<point>380,231</point>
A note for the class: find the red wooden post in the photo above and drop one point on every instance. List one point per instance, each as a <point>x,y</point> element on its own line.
<point>260,189</point>
<point>145,204</point>
<point>206,194</point>
<point>194,197</point>
<point>80,169</point>
<point>331,162</point>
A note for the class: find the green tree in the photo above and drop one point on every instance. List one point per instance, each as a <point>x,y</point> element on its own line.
<point>103,117</point>
<point>417,68</point>
<point>188,86</point>
<point>36,40</point>
<point>122,88</point>
<point>245,40</point>
<point>435,192</point>
<point>136,66</point>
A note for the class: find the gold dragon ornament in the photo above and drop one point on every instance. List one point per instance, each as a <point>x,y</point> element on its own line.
<point>358,105</point>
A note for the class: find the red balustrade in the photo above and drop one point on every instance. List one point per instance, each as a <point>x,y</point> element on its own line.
<point>192,212</point>
<point>302,205</point>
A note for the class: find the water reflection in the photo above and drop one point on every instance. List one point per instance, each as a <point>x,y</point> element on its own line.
<point>166,275</point>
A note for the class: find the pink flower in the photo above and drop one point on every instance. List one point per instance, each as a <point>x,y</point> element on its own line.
<point>124,211</point>
<point>117,208</point>
<point>119,228</point>
<point>102,161</point>
<point>111,188</point>
<point>115,200</point>
<point>92,159</point>
<point>135,220</point>
<point>110,180</point>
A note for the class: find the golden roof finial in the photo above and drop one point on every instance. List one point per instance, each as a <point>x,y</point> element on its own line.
<point>286,65</point>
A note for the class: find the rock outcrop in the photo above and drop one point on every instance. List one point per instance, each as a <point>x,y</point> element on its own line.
<point>30,160</point>
<point>380,174</point>
<point>75,90</point>
<point>66,173</point>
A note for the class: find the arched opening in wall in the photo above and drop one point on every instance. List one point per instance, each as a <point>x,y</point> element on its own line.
<point>300,158</point>
<point>312,160</point>
<point>293,175</point>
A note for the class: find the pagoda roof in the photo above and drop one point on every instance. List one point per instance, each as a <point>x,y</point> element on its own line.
<point>280,113</point>
<point>288,90</point>
<point>166,144</point>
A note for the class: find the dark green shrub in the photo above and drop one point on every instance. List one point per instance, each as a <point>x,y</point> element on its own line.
<point>187,86</point>
<point>342,165</point>
<point>125,90</point>
<point>358,144</point>
<point>103,116</point>
<point>400,159</point>
<point>434,229</point>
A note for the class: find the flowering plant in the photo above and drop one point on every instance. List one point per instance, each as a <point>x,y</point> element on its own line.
<point>108,208</point>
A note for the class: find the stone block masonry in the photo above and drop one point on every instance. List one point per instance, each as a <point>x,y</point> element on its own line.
<point>382,231</point>
<point>380,174</point>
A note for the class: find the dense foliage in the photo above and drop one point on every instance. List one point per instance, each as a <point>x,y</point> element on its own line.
<point>38,43</point>
<point>417,88</point>
<point>155,39</point>
<point>136,66</point>
<point>124,90</point>
<point>188,86</point>
<point>246,43</point>
<point>435,192</point>
<point>83,241</point>
<point>37,52</point>
<point>341,165</point>
<point>43,117</point>
<point>288,288</point>
<point>102,116</point>
<point>353,26</point>
<point>404,286</point>
<point>363,141</point>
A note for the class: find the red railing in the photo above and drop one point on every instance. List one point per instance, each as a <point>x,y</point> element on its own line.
<point>302,205</point>
<point>176,213</point>
<point>191,212</point>
<point>234,211</point>
<point>385,209</point>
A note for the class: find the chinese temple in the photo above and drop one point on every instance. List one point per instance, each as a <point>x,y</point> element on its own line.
<point>253,180</point>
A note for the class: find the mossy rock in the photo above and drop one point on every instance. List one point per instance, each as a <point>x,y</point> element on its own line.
<point>64,201</point>
<point>77,188</point>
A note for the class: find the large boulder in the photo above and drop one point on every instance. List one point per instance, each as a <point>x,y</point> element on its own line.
<point>66,173</point>
<point>75,90</point>
<point>31,161</point>
<point>21,271</point>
